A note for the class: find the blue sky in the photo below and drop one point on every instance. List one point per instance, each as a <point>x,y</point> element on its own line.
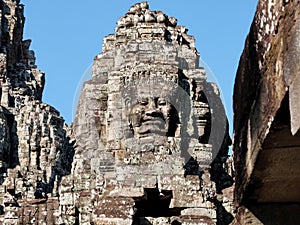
<point>66,36</point>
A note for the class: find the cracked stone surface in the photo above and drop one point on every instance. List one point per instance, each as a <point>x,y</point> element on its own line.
<point>35,148</point>
<point>149,144</point>
<point>151,132</point>
<point>266,118</point>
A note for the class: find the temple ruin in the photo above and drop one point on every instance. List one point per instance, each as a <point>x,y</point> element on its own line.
<point>144,127</point>
<point>149,143</point>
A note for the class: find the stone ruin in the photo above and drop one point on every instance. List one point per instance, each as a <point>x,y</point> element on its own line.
<point>267,119</point>
<point>35,146</point>
<point>149,144</point>
<point>151,132</point>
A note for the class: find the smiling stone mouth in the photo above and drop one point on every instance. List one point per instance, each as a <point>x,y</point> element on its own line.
<point>156,126</point>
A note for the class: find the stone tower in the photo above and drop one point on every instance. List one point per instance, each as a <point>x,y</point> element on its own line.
<point>151,132</point>
<point>34,146</point>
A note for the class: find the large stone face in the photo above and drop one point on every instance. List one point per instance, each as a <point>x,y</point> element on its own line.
<point>266,117</point>
<point>151,132</point>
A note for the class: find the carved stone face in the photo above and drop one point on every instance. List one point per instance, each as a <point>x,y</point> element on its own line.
<point>153,116</point>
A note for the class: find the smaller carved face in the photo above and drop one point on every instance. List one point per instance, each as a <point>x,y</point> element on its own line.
<point>152,116</point>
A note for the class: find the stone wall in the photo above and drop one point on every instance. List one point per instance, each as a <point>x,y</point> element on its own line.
<point>34,144</point>
<point>266,117</point>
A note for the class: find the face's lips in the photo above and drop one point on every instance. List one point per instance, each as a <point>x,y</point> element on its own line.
<point>154,125</point>
<point>152,133</point>
<point>153,122</point>
<point>156,116</point>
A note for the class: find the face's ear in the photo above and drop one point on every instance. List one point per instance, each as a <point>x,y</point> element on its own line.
<point>174,114</point>
<point>173,121</point>
<point>130,125</point>
<point>129,118</point>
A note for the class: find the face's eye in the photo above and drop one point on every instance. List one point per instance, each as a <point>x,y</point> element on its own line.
<point>143,101</point>
<point>161,102</point>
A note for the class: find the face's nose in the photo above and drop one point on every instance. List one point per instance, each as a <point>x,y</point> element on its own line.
<point>151,107</point>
